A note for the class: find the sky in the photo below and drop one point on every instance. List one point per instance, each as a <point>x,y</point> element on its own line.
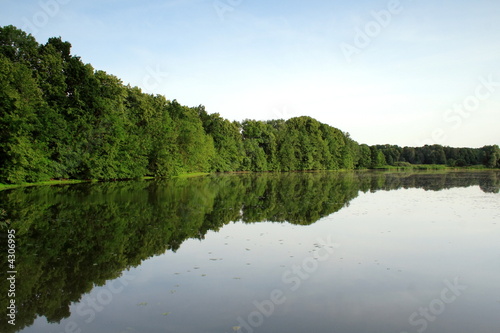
<point>405,72</point>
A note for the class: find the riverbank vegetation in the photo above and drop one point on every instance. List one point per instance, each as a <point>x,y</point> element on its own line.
<point>62,119</point>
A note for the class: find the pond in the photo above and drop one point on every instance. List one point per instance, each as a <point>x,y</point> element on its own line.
<point>293,252</point>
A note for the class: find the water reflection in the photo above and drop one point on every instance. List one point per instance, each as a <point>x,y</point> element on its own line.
<point>71,239</point>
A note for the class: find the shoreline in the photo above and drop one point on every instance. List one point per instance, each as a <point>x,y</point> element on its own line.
<point>386,168</point>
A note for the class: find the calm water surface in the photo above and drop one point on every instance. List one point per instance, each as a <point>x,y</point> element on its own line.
<point>309,252</point>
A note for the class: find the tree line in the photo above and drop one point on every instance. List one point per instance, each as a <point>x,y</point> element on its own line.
<point>62,119</point>
<point>488,156</point>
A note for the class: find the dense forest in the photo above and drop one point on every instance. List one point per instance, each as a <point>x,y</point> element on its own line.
<point>62,119</point>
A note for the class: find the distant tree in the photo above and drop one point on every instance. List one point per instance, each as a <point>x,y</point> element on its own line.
<point>491,156</point>
<point>255,142</point>
<point>227,141</point>
<point>365,159</point>
<point>408,155</point>
<point>378,158</point>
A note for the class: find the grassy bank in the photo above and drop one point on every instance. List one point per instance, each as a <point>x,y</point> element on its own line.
<point>191,175</point>
<point>414,167</point>
<point>418,167</point>
<point>431,167</point>
<point>74,181</point>
<point>50,182</point>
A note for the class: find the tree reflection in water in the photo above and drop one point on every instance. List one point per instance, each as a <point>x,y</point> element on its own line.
<point>72,238</point>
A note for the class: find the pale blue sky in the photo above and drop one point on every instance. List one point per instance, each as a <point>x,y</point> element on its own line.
<point>384,71</point>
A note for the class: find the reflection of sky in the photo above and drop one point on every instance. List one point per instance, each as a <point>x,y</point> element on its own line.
<point>396,250</point>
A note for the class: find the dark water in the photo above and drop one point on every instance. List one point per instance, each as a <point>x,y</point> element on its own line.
<point>308,252</point>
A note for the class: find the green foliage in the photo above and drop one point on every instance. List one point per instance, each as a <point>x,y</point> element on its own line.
<point>227,140</point>
<point>487,156</point>
<point>62,119</point>
<point>491,156</point>
<point>377,158</point>
<point>23,156</point>
<point>196,148</point>
<point>365,157</point>
<point>59,118</point>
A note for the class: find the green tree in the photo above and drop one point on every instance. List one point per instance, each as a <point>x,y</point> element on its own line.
<point>259,144</point>
<point>164,157</point>
<point>23,157</point>
<point>491,156</point>
<point>195,147</point>
<point>227,141</point>
<point>378,157</point>
<point>365,159</point>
